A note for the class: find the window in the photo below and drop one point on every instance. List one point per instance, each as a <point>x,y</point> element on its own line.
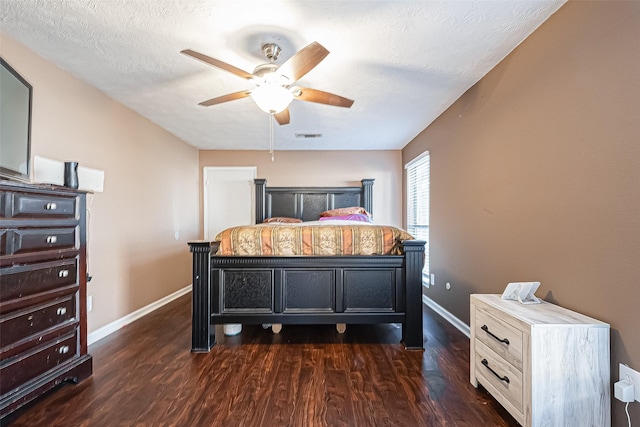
<point>418,204</point>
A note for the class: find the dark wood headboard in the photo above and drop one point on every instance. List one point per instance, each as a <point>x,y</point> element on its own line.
<point>307,203</point>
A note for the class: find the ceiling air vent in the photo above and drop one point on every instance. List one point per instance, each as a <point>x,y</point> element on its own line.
<point>308,135</point>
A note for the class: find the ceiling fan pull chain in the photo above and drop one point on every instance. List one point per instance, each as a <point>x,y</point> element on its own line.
<point>271,118</point>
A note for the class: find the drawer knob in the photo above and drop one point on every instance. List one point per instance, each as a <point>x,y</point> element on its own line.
<point>51,206</point>
<point>61,311</point>
<point>486,364</point>
<point>64,349</point>
<point>486,329</point>
<point>52,239</point>
<point>63,273</point>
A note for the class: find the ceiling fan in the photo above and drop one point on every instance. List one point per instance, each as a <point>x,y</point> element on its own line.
<point>274,88</point>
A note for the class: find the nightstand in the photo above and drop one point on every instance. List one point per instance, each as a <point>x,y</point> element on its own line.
<point>545,364</point>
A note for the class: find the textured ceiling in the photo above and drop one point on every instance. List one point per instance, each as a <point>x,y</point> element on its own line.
<point>403,62</point>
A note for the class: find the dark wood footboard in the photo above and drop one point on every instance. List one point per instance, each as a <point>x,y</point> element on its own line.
<point>306,290</point>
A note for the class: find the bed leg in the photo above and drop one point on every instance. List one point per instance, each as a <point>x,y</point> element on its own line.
<point>341,327</point>
<point>276,328</point>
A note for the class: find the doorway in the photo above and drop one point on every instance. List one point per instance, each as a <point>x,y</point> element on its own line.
<point>228,198</point>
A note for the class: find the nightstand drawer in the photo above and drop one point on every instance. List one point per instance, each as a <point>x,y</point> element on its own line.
<point>18,370</point>
<point>24,324</point>
<point>498,376</point>
<point>504,339</point>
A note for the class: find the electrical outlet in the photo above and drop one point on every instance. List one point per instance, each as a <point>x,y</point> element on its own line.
<point>635,377</point>
<point>89,303</point>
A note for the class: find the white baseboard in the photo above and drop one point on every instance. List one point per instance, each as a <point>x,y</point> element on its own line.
<point>100,333</point>
<point>457,323</point>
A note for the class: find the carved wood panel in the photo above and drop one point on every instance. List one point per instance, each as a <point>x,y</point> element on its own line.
<point>247,290</point>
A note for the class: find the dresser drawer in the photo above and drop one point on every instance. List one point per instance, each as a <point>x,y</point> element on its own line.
<point>498,376</point>
<point>24,240</point>
<point>18,370</point>
<point>4,233</point>
<point>33,321</point>
<point>25,205</point>
<point>26,280</point>
<point>504,339</point>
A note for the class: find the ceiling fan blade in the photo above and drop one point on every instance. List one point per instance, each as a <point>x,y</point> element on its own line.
<point>321,97</point>
<point>303,61</point>
<point>225,98</point>
<point>217,63</point>
<point>283,117</point>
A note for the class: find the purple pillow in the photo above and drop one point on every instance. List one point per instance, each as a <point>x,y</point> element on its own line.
<point>350,217</point>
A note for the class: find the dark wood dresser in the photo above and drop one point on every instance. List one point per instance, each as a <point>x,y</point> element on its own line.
<point>43,278</point>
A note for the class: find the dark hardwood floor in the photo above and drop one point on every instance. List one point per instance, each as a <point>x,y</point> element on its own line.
<point>145,375</point>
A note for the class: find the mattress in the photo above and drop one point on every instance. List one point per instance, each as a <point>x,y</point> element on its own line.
<point>338,237</point>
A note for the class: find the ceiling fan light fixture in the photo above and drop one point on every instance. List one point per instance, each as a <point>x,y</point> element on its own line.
<point>272,98</point>
<point>273,83</point>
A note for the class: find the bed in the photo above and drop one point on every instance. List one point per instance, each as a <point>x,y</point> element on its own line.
<point>307,289</point>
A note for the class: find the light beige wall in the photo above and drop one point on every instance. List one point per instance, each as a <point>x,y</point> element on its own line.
<point>535,175</point>
<point>150,190</point>
<point>325,168</point>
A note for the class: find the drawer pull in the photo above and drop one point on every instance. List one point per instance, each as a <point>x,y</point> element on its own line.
<point>52,239</point>
<point>51,206</point>
<point>486,365</point>
<point>65,349</point>
<point>63,273</point>
<point>486,329</point>
<point>61,311</point>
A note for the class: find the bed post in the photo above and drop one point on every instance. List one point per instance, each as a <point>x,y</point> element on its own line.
<point>202,336</point>
<point>412,327</point>
<point>367,194</point>
<point>261,185</point>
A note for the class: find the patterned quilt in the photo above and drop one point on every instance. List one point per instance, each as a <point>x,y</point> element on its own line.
<point>311,238</point>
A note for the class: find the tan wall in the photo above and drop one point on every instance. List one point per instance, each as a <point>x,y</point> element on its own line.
<point>150,189</point>
<point>535,175</point>
<point>325,168</point>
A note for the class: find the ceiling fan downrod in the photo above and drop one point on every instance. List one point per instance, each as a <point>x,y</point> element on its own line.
<point>271,51</point>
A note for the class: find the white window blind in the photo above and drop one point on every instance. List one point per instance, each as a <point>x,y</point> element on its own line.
<point>418,203</point>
